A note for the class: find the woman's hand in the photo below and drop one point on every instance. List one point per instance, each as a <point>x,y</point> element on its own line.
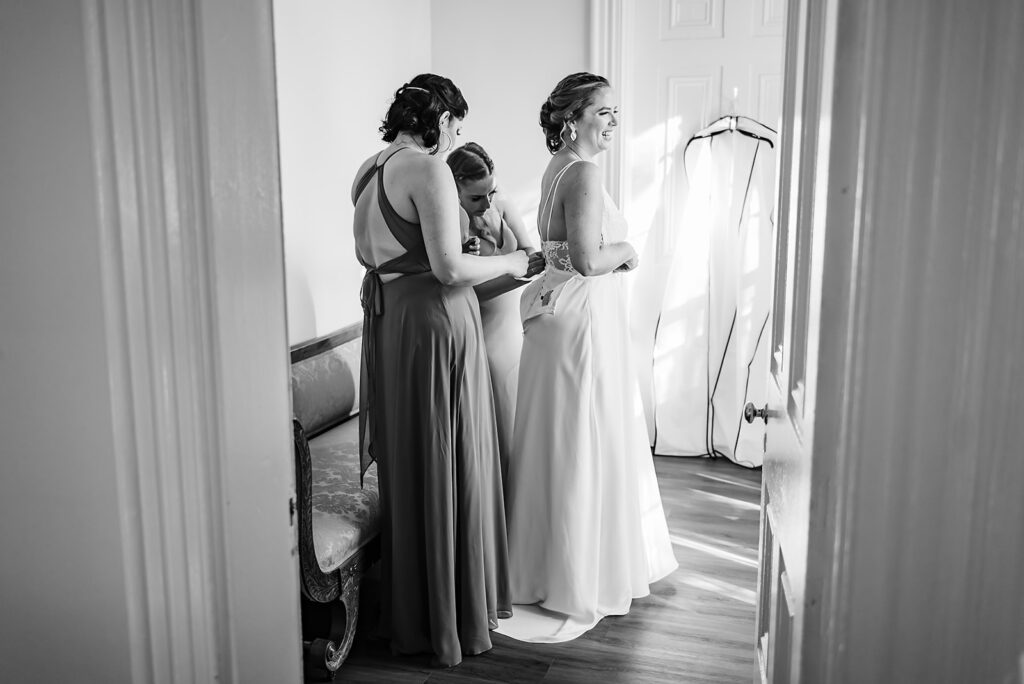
<point>535,265</point>
<point>630,263</point>
<point>519,263</point>
<point>471,246</point>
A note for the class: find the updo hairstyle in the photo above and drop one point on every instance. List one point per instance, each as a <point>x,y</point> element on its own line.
<point>470,163</point>
<point>418,106</point>
<point>570,97</point>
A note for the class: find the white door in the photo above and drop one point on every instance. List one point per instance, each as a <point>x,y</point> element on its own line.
<point>684,63</point>
<point>796,320</point>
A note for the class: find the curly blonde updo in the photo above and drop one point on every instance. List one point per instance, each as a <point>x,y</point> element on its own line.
<point>570,97</point>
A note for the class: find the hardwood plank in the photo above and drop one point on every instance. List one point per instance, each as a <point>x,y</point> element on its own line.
<point>697,625</point>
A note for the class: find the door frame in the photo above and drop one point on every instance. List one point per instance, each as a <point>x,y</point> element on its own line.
<point>183,109</point>
<point>610,55</point>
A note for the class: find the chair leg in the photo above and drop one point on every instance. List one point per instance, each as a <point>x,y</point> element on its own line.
<point>349,599</point>
<point>324,653</point>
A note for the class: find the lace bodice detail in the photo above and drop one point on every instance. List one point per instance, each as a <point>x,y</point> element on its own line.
<point>556,255</point>
<point>613,229</point>
<point>556,252</point>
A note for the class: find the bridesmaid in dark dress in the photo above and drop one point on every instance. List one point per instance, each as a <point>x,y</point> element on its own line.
<point>426,415</point>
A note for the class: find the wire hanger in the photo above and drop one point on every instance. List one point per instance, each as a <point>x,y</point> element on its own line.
<point>732,123</point>
<point>738,124</point>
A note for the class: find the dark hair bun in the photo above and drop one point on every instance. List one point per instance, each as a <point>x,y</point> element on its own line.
<point>418,106</point>
<point>570,97</point>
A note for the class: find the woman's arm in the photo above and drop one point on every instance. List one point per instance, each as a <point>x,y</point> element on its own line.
<point>526,239</point>
<point>437,204</point>
<point>497,286</point>
<point>502,284</point>
<point>583,209</point>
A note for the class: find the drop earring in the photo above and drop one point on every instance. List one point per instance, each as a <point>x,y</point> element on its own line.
<point>447,147</point>
<point>572,133</point>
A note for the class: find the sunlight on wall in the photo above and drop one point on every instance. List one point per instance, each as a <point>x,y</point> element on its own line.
<point>506,57</point>
<point>335,80</point>
<point>657,214</point>
<point>648,177</point>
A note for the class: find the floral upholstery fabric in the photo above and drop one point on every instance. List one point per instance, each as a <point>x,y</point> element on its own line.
<point>325,387</point>
<point>345,515</point>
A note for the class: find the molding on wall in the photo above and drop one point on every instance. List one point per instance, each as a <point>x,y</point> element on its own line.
<point>692,19</point>
<point>611,55</point>
<point>674,90</point>
<point>769,19</point>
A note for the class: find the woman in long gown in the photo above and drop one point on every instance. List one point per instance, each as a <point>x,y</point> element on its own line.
<point>492,227</point>
<point>425,414</point>
<point>587,532</point>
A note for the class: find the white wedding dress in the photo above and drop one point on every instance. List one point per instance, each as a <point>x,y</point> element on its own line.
<point>587,531</point>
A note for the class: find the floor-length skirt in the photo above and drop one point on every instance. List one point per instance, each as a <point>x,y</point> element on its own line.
<point>587,531</point>
<point>444,560</point>
<point>503,337</point>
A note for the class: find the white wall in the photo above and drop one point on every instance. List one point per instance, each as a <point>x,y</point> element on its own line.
<point>61,564</point>
<point>338,65</point>
<point>506,57</point>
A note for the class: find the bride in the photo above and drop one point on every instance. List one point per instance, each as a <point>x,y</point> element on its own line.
<point>587,532</point>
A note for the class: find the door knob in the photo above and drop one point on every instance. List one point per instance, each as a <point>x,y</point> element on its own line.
<point>750,412</point>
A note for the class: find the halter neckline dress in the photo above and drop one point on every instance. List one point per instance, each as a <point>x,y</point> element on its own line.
<point>426,418</point>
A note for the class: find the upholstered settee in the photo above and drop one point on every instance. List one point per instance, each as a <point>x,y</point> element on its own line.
<point>339,520</point>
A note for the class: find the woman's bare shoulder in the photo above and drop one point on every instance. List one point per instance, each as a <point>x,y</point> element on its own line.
<point>582,177</point>
<point>431,170</point>
<point>582,171</point>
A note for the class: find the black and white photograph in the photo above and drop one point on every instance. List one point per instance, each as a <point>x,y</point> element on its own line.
<point>533,342</point>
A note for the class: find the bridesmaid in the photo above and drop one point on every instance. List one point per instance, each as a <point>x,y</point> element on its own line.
<point>423,416</point>
<point>490,226</point>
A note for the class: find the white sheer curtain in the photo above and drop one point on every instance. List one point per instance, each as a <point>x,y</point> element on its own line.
<point>711,344</point>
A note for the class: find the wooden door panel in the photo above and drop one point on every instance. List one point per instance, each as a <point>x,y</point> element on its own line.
<point>803,154</point>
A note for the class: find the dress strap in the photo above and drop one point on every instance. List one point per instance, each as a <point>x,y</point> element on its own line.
<point>549,200</point>
<point>367,176</point>
<point>408,233</point>
<point>364,180</point>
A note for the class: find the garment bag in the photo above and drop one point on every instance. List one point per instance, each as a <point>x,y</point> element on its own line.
<point>711,345</point>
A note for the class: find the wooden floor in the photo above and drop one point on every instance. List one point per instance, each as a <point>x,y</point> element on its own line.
<point>696,626</point>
